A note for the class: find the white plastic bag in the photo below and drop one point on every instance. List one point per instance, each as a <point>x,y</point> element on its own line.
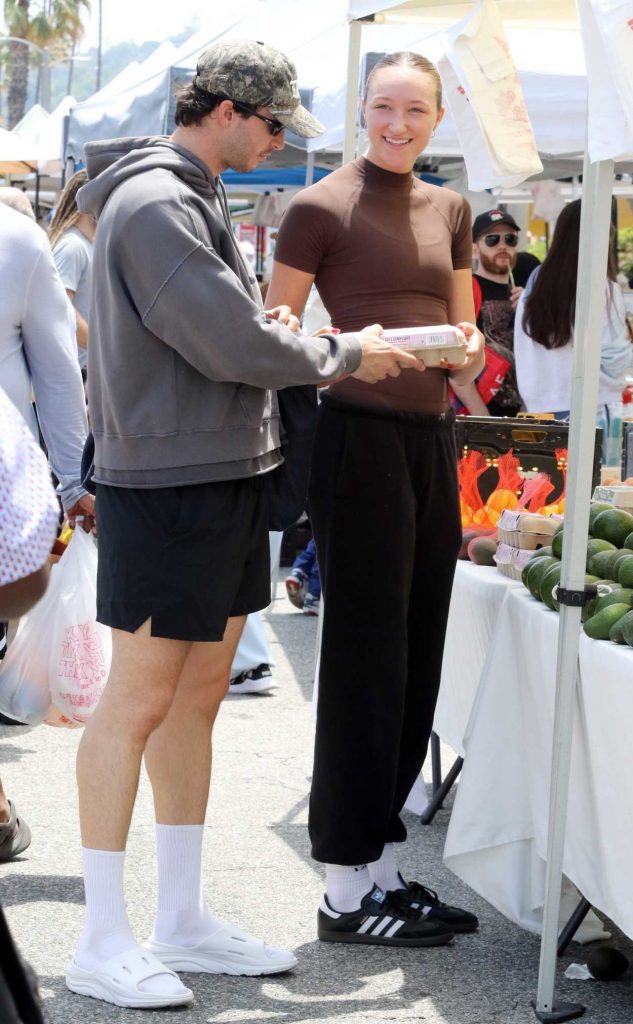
<point>57,666</point>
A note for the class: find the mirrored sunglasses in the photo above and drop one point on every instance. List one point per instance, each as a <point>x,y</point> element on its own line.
<point>510,240</point>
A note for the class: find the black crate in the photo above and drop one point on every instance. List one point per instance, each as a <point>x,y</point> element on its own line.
<point>533,441</point>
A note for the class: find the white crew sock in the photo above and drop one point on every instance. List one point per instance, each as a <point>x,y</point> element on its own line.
<point>107,930</point>
<point>384,871</point>
<point>345,886</point>
<point>181,917</point>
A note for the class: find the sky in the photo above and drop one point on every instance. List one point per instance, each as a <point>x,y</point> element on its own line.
<point>138,20</point>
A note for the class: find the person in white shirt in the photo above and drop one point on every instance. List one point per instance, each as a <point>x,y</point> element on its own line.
<point>37,353</point>
<point>28,523</point>
<point>544,329</point>
<point>71,235</point>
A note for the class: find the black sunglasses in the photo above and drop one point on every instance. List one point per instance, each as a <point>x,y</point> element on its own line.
<point>275,127</point>
<point>510,240</point>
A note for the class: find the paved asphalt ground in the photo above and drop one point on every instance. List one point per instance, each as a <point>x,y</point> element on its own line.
<point>258,873</point>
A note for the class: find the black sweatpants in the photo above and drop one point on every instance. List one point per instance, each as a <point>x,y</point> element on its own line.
<point>384,509</point>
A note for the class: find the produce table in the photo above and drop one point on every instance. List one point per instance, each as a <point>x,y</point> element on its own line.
<point>478,593</point>
<point>500,666</point>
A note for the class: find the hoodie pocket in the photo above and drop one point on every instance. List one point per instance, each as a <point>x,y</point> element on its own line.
<point>204,404</point>
<point>255,404</point>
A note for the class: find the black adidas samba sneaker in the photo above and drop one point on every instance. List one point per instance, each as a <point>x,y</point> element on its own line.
<point>384,919</point>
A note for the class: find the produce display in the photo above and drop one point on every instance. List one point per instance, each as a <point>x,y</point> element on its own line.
<point>609,565</point>
<point>523,492</point>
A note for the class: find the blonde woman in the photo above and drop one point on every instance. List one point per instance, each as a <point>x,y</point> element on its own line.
<point>71,235</point>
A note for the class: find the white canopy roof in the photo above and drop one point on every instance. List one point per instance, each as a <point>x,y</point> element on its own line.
<point>518,11</point>
<point>17,154</point>
<point>319,49</point>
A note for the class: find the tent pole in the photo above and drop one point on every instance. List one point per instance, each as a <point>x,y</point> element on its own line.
<point>590,311</point>
<point>351,95</point>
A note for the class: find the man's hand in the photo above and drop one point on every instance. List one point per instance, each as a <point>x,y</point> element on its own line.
<point>84,512</point>
<point>380,359</point>
<point>515,295</point>
<point>285,316</point>
<point>475,356</point>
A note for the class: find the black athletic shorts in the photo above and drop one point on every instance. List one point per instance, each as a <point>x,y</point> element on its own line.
<point>189,557</point>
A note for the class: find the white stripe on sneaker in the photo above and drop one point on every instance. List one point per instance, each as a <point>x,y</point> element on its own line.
<point>367,924</point>
<point>380,927</point>
<point>394,928</point>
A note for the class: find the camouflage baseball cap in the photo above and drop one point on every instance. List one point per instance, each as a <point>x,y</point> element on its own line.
<point>259,75</point>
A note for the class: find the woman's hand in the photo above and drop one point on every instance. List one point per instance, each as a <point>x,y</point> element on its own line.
<point>475,356</point>
<point>285,316</point>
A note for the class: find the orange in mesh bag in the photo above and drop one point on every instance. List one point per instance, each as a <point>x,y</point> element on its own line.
<point>505,494</point>
<point>557,507</point>
<point>536,490</point>
<point>469,468</point>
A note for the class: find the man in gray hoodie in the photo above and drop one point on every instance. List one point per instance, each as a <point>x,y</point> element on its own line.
<point>182,360</point>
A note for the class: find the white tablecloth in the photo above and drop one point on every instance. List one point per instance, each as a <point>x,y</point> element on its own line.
<point>497,835</point>
<point>478,593</point>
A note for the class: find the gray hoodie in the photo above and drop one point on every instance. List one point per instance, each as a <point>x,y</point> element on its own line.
<point>181,358</point>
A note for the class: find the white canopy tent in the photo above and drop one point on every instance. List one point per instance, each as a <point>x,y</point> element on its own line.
<point>610,136</point>
<point>46,131</point>
<point>139,100</point>
<point>17,155</point>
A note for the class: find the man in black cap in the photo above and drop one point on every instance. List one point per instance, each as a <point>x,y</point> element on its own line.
<point>495,247</point>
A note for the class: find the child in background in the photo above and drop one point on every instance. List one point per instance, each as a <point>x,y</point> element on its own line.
<point>303,584</point>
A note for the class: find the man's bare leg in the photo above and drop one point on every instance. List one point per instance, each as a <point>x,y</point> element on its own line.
<point>178,753</point>
<point>139,693</point>
<point>143,679</point>
<point>178,759</point>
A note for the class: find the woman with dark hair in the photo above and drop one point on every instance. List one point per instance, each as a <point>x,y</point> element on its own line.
<point>382,245</point>
<point>71,235</point>
<point>544,328</point>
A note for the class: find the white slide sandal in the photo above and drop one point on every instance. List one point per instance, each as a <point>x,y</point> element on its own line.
<point>228,950</point>
<point>118,981</point>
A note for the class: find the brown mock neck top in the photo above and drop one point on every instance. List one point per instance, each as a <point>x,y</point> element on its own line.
<point>382,247</point>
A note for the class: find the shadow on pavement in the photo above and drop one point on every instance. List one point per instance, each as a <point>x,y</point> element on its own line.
<point>46,888</point>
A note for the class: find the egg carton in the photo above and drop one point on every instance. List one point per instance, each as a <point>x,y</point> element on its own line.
<point>430,344</point>
<point>526,530</point>
<point>618,495</point>
<point>511,560</point>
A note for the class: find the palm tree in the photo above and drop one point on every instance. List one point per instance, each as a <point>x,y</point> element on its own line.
<point>55,24</point>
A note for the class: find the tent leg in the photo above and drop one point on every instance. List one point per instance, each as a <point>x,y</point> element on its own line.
<point>436,762</point>
<point>351,95</point>
<point>590,312</point>
<point>441,793</point>
<point>573,925</point>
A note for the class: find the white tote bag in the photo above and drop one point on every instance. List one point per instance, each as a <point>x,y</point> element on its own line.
<point>57,666</point>
<point>486,102</point>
